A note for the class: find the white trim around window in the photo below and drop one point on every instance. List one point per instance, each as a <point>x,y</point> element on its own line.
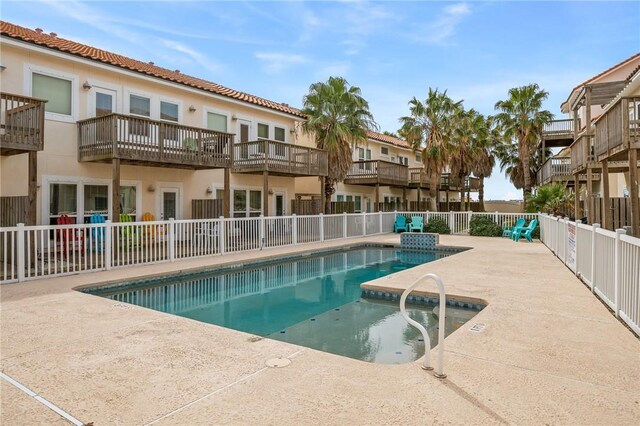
<point>97,86</point>
<point>205,117</point>
<point>30,69</point>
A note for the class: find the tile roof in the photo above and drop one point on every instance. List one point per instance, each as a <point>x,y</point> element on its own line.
<point>597,76</point>
<point>388,139</point>
<point>52,41</point>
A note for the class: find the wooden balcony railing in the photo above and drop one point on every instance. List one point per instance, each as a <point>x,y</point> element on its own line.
<point>618,128</point>
<point>21,124</point>
<point>418,176</point>
<point>454,183</point>
<point>581,153</point>
<point>559,127</point>
<point>279,158</point>
<point>147,142</point>
<point>554,169</point>
<point>377,172</point>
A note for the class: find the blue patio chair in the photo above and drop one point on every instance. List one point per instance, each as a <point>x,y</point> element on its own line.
<point>508,230</point>
<point>97,233</point>
<point>416,224</point>
<point>400,225</point>
<point>526,232</point>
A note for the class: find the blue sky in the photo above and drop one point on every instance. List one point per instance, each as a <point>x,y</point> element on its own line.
<point>391,50</point>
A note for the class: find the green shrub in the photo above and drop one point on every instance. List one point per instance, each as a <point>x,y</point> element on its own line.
<point>437,226</point>
<point>536,232</point>
<point>483,226</point>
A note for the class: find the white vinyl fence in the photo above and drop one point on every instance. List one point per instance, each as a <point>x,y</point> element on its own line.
<point>31,252</point>
<point>608,262</point>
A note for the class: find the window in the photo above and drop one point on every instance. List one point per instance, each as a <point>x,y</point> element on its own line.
<point>240,208</point>
<point>403,160</point>
<point>278,134</point>
<point>418,158</point>
<point>139,105</point>
<point>96,200</point>
<point>217,122</point>
<point>57,91</point>
<point>358,204</point>
<point>104,104</point>
<point>263,131</point>
<point>384,150</point>
<point>128,200</point>
<point>168,111</point>
<point>62,200</point>
<point>339,198</point>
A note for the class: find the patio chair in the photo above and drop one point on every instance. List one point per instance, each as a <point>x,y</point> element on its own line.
<point>69,236</point>
<point>526,232</point>
<point>126,233</point>
<point>508,230</point>
<point>151,230</point>
<point>97,233</point>
<point>416,224</point>
<point>400,224</point>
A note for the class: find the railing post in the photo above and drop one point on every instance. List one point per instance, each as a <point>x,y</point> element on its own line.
<point>294,229</point>
<point>495,218</point>
<point>262,230</point>
<point>616,271</point>
<point>594,227</point>
<point>108,244</point>
<point>380,221</point>
<point>172,239</point>
<point>20,250</point>
<point>364,223</point>
<point>576,248</point>
<point>221,236</point>
<point>344,224</point>
<point>321,228</point>
<point>451,219</point>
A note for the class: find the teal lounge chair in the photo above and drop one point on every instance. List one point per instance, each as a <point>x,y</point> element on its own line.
<point>97,233</point>
<point>416,224</point>
<point>526,232</point>
<point>508,230</point>
<point>400,225</point>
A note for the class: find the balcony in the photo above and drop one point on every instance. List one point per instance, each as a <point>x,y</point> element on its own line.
<point>555,169</point>
<point>278,159</point>
<point>418,178</point>
<point>618,130</point>
<point>450,182</point>
<point>21,124</point>
<point>377,172</point>
<point>139,141</point>
<point>558,133</point>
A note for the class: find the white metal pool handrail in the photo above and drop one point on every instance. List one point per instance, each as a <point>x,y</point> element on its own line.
<point>439,373</point>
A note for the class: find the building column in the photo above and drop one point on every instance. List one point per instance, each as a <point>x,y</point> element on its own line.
<point>226,210</point>
<point>265,193</point>
<point>115,189</point>
<point>323,200</point>
<point>377,207</point>
<point>404,198</point>
<point>588,202</point>
<point>633,192</point>
<point>32,195</point>
<point>607,220</point>
<point>576,199</point>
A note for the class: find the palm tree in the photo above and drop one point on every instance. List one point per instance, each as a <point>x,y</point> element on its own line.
<point>506,152</point>
<point>522,118</point>
<point>485,159</point>
<point>552,198</point>
<point>338,117</point>
<point>429,129</point>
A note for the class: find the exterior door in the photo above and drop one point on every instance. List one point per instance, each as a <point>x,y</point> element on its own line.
<point>105,102</point>
<point>244,134</point>
<point>169,199</point>
<point>279,201</point>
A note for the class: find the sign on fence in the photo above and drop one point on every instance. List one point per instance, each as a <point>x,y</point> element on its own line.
<point>570,260</point>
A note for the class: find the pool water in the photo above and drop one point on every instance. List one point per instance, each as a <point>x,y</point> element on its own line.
<point>313,300</point>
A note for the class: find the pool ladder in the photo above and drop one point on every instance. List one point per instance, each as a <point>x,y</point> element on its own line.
<point>439,373</point>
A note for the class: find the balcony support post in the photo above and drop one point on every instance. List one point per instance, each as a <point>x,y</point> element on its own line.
<point>115,189</point>
<point>377,197</point>
<point>227,193</point>
<point>543,149</point>
<point>607,221</point>
<point>576,199</point>
<point>323,200</point>
<point>404,198</point>
<point>33,188</point>
<point>587,102</point>
<point>633,192</point>
<point>265,193</point>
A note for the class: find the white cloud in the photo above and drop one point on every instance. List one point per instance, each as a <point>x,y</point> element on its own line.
<point>440,31</point>
<point>276,62</point>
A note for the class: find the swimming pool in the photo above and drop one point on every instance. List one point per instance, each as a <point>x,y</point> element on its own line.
<point>310,300</point>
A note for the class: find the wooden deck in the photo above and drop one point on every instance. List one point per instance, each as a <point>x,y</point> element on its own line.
<point>278,159</point>
<point>418,178</point>
<point>21,124</point>
<point>141,141</point>
<point>558,133</point>
<point>377,172</point>
<point>618,130</point>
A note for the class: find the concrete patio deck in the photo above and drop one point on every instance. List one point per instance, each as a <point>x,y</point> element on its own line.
<point>550,353</point>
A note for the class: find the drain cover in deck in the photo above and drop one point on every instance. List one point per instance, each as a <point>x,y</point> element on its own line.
<point>277,362</point>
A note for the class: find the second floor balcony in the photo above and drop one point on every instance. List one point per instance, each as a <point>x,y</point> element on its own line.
<point>21,124</point>
<point>558,133</point>
<point>618,130</point>
<point>141,141</point>
<point>377,172</point>
<point>278,158</point>
<point>555,169</point>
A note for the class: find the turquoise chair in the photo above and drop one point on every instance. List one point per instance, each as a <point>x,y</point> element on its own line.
<point>416,224</point>
<point>400,225</point>
<point>508,230</point>
<point>526,232</point>
<point>97,233</point>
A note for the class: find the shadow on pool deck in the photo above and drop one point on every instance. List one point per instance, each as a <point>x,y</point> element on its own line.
<point>549,353</point>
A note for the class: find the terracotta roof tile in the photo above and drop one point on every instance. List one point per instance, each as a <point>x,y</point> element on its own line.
<point>595,77</point>
<point>77,49</point>
<point>388,139</point>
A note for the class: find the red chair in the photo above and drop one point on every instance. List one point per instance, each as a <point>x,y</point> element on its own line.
<point>69,236</point>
